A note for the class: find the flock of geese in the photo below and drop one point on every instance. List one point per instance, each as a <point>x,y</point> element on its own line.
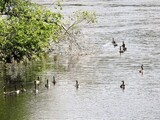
<point>122,49</point>
<point>35,90</point>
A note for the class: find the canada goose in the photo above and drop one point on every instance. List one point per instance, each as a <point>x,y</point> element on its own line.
<point>35,88</point>
<point>77,84</point>
<point>37,82</point>
<point>141,71</point>
<point>11,92</point>
<point>141,67</point>
<point>16,91</point>
<point>124,46</point>
<point>22,88</point>
<point>47,85</point>
<point>54,80</point>
<point>120,50</point>
<point>114,42</point>
<point>122,85</point>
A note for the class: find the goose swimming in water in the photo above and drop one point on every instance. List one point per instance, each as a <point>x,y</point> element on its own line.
<point>120,50</point>
<point>37,82</point>
<point>77,84</point>
<point>35,88</point>
<point>22,88</point>
<point>122,85</point>
<point>47,85</point>
<point>141,71</point>
<point>114,42</point>
<point>54,80</point>
<point>16,92</point>
<point>124,46</point>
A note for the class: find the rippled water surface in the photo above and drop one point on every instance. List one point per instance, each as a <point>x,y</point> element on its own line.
<point>137,23</point>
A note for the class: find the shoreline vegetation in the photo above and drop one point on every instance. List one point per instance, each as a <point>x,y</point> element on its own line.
<point>29,32</point>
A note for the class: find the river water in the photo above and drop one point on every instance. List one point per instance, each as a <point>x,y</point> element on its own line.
<point>99,97</point>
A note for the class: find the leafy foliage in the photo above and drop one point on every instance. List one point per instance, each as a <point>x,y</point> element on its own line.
<point>27,30</point>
